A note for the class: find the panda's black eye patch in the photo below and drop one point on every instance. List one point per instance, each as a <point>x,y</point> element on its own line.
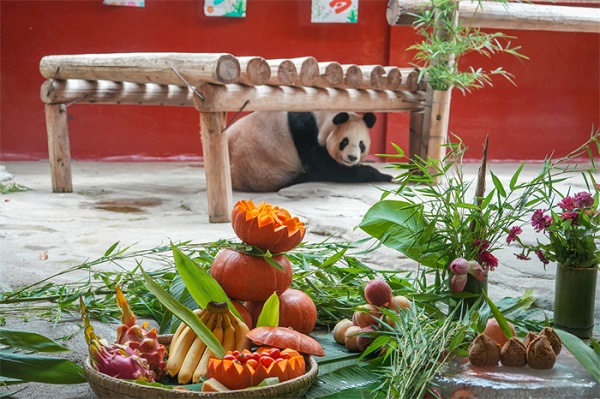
<point>344,143</point>
<point>362,147</point>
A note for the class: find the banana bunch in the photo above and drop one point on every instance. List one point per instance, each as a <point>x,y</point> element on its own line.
<point>188,355</point>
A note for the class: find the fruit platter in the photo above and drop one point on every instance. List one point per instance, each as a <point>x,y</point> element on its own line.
<point>234,343</point>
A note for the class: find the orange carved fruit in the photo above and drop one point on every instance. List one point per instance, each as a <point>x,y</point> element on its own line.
<point>266,226</point>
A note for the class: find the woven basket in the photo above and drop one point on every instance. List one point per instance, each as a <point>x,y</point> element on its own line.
<point>109,387</point>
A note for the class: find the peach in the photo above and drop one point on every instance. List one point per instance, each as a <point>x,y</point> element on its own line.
<point>366,315</point>
<point>378,292</point>
<point>339,331</point>
<point>493,330</point>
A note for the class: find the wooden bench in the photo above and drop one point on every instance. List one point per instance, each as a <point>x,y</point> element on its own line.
<point>219,83</point>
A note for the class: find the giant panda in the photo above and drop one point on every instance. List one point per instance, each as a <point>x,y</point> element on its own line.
<point>272,150</point>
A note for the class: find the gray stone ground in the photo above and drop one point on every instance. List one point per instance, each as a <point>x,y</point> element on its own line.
<point>42,232</point>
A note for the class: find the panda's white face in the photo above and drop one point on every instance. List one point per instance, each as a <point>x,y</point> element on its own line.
<point>349,142</point>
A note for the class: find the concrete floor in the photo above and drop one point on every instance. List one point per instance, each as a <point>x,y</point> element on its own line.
<point>148,204</point>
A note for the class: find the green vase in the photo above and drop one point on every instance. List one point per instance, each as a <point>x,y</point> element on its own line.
<point>574,299</point>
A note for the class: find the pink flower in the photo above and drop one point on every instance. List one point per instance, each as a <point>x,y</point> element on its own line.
<point>583,200</point>
<point>512,235</point>
<point>457,283</point>
<point>476,270</point>
<point>488,259</point>
<point>539,221</point>
<point>482,244</point>
<point>541,256</point>
<point>567,204</point>
<point>570,216</point>
<point>460,266</point>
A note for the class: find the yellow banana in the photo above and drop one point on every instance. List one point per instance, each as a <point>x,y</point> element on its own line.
<point>179,350</point>
<point>181,345</point>
<point>203,365</point>
<point>241,329</point>
<point>194,354</point>
<point>228,333</point>
<point>199,312</point>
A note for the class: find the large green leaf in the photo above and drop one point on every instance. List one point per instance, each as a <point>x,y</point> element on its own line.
<point>45,369</point>
<point>29,341</point>
<point>200,284</point>
<point>400,225</point>
<point>184,314</point>
<point>589,359</point>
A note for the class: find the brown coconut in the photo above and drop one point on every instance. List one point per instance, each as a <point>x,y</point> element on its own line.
<point>484,351</point>
<point>513,353</point>
<point>540,354</point>
<point>553,338</point>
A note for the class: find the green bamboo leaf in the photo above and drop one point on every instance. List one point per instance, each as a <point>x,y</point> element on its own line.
<point>184,314</point>
<point>29,341</point>
<point>111,249</point>
<point>269,315</point>
<point>498,185</point>
<point>499,317</point>
<point>515,178</point>
<point>589,359</point>
<point>44,369</point>
<point>200,284</point>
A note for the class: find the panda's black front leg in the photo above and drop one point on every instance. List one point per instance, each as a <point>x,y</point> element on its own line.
<point>334,172</point>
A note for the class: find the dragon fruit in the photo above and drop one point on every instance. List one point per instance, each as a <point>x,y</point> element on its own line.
<point>140,338</point>
<point>115,360</point>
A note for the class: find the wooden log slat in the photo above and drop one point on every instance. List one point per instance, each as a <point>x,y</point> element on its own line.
<point>234,97</point>
<point>331,74</point>
<point>353,76</point>
<point>254,71</point>
<point>109,92</point>
<point>195,68</point>
<point>283,72</point>
<point>519,16</point>
<point>393,78</point>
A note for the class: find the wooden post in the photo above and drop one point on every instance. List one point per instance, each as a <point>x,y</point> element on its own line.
<point>283,72</point>
<point>58,148</point>
<point>216,166</point>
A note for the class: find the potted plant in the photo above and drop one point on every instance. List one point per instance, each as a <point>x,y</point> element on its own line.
<point>571,228</point>
<point>454,227</point>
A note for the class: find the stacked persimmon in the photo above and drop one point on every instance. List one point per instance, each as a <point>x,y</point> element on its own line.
<point>250,278</point>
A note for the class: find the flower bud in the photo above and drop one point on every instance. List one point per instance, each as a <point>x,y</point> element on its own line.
<point>459,266</point>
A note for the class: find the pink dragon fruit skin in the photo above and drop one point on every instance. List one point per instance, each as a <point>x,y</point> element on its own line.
<point>119,361</point>
<point>143,339</point>
<point>115,360</point>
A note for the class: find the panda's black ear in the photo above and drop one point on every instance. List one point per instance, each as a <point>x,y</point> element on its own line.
<point>369,119</point>
<point>340,118</point>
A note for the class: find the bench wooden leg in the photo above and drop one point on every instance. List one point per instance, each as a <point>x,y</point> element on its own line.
<point>58,148</point>
<point>216,166</point>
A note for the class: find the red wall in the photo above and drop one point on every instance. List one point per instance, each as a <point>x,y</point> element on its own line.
<point>553,108</point>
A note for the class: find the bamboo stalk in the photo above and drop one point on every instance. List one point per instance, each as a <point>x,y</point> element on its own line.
<point>233,98</point>
<point>108,92</point>
<point>519,16</point>
<point>161,68</point>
